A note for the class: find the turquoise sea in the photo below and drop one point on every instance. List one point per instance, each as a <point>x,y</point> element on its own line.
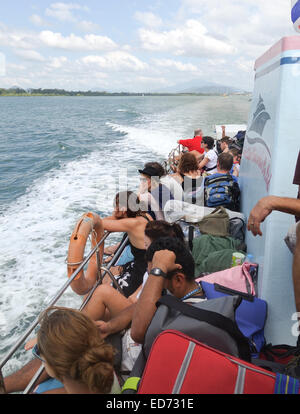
<point>64,156</point>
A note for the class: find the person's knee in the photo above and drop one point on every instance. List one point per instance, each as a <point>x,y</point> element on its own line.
<point>104,290</point>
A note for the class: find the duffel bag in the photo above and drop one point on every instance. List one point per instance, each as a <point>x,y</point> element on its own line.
<point>178,364</point>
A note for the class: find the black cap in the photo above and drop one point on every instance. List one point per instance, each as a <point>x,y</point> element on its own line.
<point>150,171</point>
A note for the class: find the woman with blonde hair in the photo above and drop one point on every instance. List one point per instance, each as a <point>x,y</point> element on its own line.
<point>74,353</point>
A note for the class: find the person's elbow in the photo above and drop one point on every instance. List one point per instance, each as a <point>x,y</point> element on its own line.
<point>137,334</point>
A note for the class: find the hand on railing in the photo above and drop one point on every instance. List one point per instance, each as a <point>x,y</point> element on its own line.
<point>30,344</point>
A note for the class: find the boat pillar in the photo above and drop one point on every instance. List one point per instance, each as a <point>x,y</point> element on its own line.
<point>268,164</point>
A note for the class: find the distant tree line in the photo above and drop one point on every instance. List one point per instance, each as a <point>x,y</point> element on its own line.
<point>62,92</point>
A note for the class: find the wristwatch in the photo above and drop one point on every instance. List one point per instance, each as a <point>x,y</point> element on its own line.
<point>156,271</point>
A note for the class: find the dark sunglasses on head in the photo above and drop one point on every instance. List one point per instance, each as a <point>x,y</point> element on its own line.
<point>36,353</point>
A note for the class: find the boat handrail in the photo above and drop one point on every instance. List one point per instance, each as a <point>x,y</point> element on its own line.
<point>171,158</point>
<point>105,269</point>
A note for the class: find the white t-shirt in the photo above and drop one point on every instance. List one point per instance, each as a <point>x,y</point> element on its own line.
<point>145,277</point>
<point>213,158</point>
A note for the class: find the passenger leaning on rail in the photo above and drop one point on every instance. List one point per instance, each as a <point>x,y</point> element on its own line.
<point>128,217</point>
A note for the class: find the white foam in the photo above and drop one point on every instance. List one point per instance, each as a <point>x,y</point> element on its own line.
<point>35,231</point>
<point>158,141</point>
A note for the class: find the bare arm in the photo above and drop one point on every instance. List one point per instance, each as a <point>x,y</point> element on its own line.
<point>268,204</point>
<point>223,131</point>
<point>121,225</point>
<point>146,305</point>
<point>203,163</point>
<point>118,323</point>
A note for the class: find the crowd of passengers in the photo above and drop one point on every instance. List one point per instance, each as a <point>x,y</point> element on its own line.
<point>71,344</point>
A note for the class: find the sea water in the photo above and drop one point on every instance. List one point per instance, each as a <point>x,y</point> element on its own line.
<point>64,156</point>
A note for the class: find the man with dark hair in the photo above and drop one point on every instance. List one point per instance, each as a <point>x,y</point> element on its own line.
<point>224,144</point>
<point>209,162</point>
<point>153,193</point>
<point>171,266</point>
<point>225,162</point>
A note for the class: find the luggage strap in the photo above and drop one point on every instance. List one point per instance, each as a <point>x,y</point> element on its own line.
<point>213,318</point>
<point>131,384</point>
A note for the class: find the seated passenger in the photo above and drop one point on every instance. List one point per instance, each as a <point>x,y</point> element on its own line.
<point>224,144</point>
<point>193,144</point>
<point>235,170</point>
<point>171,266</point>
<point>128,217</point>
<point>221,188</point>
<point>189,177</point>
<point>209,163</point>
<point>106,303</point>
<point>152,193</point>
<point>73,353</point>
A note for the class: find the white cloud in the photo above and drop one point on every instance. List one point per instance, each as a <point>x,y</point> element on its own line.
<point>63,11</point>
<point>148,19</point>
<point>38,20</point>
<point>31,55</point>
<point>16,38</point>
<point>250,26</point>
<point>57,62</point>
<point>87,26</point>
<point>192,39</point>
<point>76,43</point>
<point>116,61</point>
<point>173,64</point>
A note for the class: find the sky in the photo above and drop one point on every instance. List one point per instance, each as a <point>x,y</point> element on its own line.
<point>136,45</point>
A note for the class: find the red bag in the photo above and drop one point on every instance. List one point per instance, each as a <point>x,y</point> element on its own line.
<point>178,364</point>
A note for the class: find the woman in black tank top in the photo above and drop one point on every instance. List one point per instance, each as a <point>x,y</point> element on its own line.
<point>130,219</point>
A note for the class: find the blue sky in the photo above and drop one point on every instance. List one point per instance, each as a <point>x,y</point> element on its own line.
<point>136,45</point>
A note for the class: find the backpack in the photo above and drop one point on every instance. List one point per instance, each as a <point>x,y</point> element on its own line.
<point>222,190</point>
<point>211,322</point>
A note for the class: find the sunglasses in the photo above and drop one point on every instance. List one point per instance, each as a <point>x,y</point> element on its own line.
<point>36,353</point>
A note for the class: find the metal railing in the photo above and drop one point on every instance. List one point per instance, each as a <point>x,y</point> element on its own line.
<point>104,269</point>
<point>170,163</point>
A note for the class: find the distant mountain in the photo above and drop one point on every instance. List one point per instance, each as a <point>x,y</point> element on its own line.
<point>200,87</point>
